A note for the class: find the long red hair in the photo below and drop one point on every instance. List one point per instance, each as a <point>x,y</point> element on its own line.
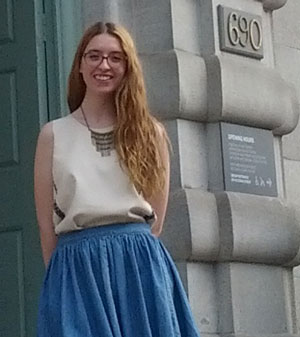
<point>138,134</point>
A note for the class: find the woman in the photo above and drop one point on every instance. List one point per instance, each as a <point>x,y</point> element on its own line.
<point>105,168</point>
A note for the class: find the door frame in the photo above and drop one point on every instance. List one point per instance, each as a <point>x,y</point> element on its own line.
<point>59,26</point>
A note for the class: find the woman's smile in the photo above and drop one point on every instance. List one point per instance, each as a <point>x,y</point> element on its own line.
<point>103,77</point>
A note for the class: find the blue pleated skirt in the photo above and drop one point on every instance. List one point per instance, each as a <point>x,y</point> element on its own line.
<point>113,281</point>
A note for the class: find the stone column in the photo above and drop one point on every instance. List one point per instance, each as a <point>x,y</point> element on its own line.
<point>235,251</point>
<point>286,30</point>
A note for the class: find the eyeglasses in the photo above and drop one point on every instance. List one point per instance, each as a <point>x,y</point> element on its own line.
<point>95,58</point>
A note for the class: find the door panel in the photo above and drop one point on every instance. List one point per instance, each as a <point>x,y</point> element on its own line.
<point>21,268</point>
<point>12,291</point>
<point>9,153</point>
<point>6,23</point>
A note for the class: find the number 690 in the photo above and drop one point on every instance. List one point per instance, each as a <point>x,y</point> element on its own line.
<point>242,31</point>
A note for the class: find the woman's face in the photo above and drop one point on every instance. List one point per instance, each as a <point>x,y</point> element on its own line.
<point>103,64</point>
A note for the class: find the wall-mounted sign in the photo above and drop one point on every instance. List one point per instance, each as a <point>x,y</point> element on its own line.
<point>248,160</point>
<point>240,32</point>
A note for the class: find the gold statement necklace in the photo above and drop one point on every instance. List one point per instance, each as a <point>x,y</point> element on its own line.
<point>103,141</point>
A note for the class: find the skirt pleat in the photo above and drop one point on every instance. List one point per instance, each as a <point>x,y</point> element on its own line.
<point>113,281</point>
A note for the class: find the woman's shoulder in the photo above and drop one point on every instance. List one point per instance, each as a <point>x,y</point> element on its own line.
<point>45,139</point>
<point>160,130</point>
<point>64,125</point>
<point>158,125</point>
<point>48,129</point>
<point>46,132</point>
<point>61,120</point>
<point>162,135</point>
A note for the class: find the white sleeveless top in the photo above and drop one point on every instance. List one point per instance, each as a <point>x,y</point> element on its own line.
<point>90,187</point>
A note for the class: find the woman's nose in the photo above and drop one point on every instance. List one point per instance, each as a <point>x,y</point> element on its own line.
<point>104,63</point>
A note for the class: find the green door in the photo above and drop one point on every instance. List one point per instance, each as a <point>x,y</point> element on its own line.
<point>21,268</point>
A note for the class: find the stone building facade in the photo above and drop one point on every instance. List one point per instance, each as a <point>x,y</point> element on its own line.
<point>235,251</point>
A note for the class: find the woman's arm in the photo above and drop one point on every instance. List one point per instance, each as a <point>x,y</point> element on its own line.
<point>43,190</point>
<point>159,201</point>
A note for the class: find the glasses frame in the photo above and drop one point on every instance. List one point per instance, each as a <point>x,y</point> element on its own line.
<point>102,57</point>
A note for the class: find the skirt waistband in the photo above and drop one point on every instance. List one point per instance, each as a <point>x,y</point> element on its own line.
<point>104,230</point>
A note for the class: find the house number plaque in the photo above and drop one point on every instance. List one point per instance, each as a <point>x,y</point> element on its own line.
<point>240,32</point>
